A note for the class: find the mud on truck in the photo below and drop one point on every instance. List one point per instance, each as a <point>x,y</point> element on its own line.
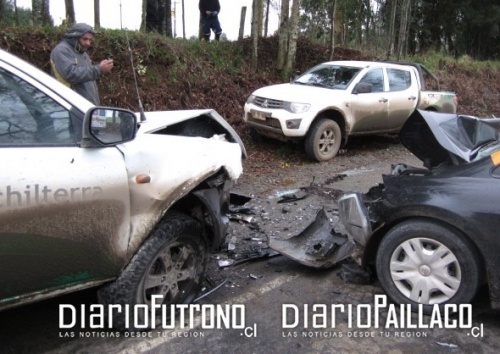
<point>335,100</point>
<point>133,207</point>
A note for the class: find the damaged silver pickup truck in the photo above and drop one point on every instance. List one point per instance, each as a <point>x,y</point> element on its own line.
<point>91,196</point>
<point>431,233</point>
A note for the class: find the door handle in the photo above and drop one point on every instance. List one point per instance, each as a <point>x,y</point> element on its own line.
<point>412,98</point>
<point>383,100</point>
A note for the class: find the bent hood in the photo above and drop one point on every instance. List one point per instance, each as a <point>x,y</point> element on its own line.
<point>158,120</point>
<point>431,136</point>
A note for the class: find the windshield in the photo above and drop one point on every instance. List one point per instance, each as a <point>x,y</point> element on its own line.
<point>329,76</point>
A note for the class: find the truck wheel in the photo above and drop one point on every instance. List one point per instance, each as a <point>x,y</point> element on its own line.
<point>170,263</point>
<point>323,140</point>
<point>423,262</point>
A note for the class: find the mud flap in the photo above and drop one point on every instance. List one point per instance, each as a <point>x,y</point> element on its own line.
<point>316,246</point>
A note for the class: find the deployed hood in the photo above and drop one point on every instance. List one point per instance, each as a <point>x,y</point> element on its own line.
<point>432,136</point>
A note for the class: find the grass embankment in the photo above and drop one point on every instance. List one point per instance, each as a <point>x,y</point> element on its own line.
<point>187,74</point>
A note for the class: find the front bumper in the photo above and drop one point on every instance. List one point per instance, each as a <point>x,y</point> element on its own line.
<point>277,121</point>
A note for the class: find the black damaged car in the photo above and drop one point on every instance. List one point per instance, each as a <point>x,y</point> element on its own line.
<point>432,233</point>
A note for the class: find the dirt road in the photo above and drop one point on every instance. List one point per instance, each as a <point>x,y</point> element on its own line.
<point>281,298</point>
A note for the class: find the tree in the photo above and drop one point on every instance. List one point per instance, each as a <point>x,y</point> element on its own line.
<point>144,14</point>
<point>255,35</point>
<point>403,28</point>
<point>242,22</point>
<point>70,12</point>
<point>156,19</point>
<point>40,13</point>
<point>97,14</point>
<point>11,15</point>
<point>168,18</point>
<point>3,11</point>
<point>260,16</point>
<point>293,31</point>
<point>266,24</point>
<point>332,31</point>
<point>283,34</point>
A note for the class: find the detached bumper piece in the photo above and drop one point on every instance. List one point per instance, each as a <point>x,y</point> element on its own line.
<point>316,246</point>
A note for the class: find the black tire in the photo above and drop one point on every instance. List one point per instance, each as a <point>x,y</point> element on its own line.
<point>177,241</point>
<point>323,140</point>
<point>421,261</point>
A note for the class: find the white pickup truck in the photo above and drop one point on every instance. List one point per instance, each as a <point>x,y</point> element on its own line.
<point>337,99</point>
<point>91,196</point>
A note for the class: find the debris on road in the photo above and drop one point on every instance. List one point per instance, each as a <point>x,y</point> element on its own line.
<point>353,273</point>
<point>316,246</point>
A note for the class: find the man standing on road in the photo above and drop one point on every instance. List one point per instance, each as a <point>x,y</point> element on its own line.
<point>209,10</point>
<point>72,66</point>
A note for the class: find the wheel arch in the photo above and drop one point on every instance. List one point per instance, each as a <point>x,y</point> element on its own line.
<point>338,117</point>
<point>207,203</point>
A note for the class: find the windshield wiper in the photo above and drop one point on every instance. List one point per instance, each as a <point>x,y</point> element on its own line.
<point>319,84</point>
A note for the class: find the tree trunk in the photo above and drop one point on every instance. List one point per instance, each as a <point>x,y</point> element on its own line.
<point>242,22</point>
<point>16,14</point>
<point>292,46</point>
<point>339,22</point>
<point>45,15</point>
<point>332,31</point>
<point>255,34</point>
<point>70,12</point>
<point>403,28</point>
<point>183,21</point>
<point>392,25</point>
<point>283,34</point>
<point>97,13</point>
<point>266,25</point>
<point>144,14</point>
<point>35,12</point>
<point>168,18</point>
<point>260,16</point>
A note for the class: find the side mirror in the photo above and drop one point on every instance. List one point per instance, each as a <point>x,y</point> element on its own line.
<point>362,87</point>
<point>108,126</point>
<point>295,76</point>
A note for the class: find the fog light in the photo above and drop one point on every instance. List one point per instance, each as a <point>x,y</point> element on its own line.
<point>293,123</point>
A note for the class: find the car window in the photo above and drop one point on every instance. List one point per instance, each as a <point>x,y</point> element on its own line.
<point>399,80</point>
<point>29,117</point>
<point>330,76</point>
<point>374,77</point>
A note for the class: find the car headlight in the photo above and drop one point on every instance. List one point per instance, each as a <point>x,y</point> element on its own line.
<point>251,99</point>
<point>296,107</point>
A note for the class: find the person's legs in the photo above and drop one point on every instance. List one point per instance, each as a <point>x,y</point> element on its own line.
<point>216,28</point>
<point>205,24</point>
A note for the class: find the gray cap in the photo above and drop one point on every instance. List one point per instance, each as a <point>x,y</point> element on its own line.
<point>78,30</point>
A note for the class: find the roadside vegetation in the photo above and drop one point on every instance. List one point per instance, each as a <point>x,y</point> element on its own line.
<point>190,74</point>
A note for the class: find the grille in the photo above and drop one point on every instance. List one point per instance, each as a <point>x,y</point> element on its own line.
<point>268,103</point>
<point>270,122</point>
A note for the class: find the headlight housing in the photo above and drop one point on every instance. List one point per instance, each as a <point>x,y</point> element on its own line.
<point>296,107</point>
<point>251,99</point>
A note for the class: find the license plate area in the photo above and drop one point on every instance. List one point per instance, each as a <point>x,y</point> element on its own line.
<point>258,115</point>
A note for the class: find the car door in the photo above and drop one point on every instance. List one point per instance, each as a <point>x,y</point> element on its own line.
<point>64,210</point>
<point>370,110</point>
<point>402,95</point>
